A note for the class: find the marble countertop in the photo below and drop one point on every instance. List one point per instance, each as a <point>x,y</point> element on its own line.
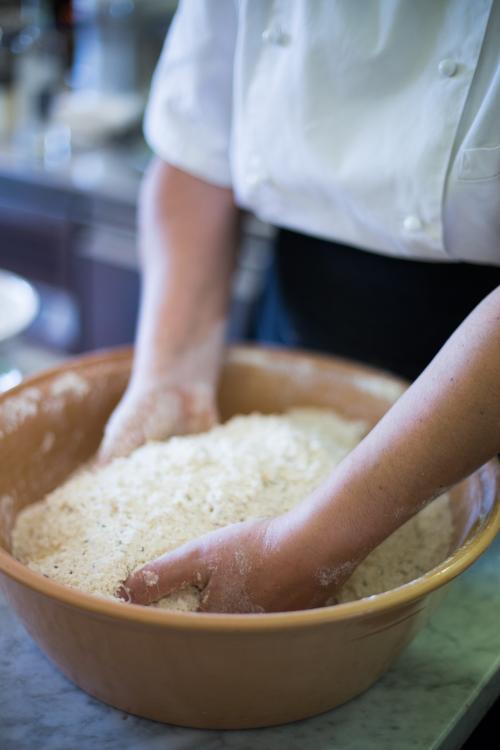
<point>430,700</point>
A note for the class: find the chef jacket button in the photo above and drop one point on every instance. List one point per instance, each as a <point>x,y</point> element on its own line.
<point>447,68</point>
<point>276,35</point>
<point>257,179</point>
<point>412,224</point>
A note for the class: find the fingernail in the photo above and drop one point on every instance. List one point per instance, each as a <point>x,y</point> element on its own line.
<point>123,592</point>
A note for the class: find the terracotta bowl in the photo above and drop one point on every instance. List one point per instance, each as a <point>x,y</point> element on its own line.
<point>209,670</point>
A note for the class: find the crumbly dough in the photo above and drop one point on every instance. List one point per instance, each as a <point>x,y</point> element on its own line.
<point>102,524</point>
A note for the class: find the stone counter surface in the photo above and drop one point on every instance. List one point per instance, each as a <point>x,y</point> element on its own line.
<point>432,698</point>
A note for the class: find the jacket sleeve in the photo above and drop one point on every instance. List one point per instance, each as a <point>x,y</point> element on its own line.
<point>188,117</point>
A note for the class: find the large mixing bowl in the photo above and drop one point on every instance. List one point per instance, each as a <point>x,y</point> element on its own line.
<point>212,670</point>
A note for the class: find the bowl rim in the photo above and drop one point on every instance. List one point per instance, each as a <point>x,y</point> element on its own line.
<point>135,614</point>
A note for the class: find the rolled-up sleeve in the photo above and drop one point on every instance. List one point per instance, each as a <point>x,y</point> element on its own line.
<point>188,117</point>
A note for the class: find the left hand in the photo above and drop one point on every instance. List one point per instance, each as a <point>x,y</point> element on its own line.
<point>253,566</point>
<point>156,411</point>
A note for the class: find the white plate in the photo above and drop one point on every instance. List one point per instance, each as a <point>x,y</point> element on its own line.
<point>18,304</point>
<point>93,117</point>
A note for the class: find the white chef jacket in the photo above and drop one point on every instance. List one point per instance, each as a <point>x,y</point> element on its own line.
<point>374,123</point>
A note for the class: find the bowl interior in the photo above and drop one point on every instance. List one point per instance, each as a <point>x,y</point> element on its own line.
<point>52,423</point>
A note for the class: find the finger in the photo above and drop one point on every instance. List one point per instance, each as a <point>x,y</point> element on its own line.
<point>165,575</point>
<point>200,411</point>
<point>121,436</point>
<point>115,448</point>
<point>228,599</point>
<point>209,418</point>
<point>138,419</point>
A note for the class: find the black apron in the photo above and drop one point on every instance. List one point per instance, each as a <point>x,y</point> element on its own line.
<point>388,312</point>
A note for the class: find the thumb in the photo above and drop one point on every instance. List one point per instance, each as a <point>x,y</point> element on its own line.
<point>167,574</point>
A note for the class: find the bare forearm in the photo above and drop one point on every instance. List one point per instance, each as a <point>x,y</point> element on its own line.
<point>446,425</point>
<point>188,235</point>
<point>443,428</point>
<point>188,231</point>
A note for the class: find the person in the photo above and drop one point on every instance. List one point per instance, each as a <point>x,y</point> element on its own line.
<point>368,135</point>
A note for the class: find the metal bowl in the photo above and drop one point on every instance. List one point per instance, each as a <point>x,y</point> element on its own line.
<point>213,670</point>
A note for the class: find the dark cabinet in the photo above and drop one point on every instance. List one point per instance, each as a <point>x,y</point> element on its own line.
<point>80,259</point>
<point>106,282</point>
<point>34,245</point>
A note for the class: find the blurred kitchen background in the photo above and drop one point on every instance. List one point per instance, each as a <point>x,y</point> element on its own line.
<point>74,80</point>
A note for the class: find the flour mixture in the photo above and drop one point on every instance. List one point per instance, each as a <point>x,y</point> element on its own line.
<point>104,523</point>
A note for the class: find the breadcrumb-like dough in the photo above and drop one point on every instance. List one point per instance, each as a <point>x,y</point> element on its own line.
<point>101,524</point>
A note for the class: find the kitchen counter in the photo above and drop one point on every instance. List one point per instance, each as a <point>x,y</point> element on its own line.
<point>109,171</point>
<point>99,185</point>
<point>430,700</point>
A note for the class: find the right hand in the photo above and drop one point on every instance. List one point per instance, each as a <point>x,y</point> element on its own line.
<point>263,565</point>
<point>156,411</point>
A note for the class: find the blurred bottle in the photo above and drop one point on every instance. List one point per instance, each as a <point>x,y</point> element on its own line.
<point>10,24</point>
<point>38,75</point>
<point>6,93</point>
<point>105,46</point>
<point>64,21</point>
<point>62,11</point>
